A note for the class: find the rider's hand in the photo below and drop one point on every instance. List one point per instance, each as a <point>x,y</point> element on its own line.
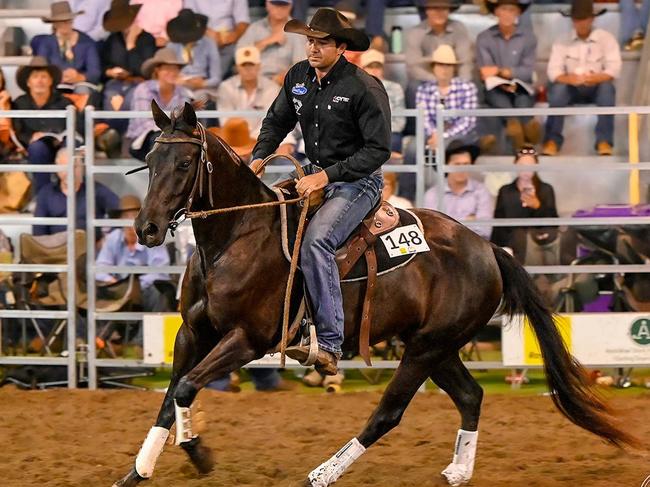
<point>305,186</point>
<point>255,165</point>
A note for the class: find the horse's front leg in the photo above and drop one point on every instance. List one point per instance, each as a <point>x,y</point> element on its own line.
<point>231,353</point>
<point>188,350</point>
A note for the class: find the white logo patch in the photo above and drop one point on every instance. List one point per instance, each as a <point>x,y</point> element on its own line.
<point>339,99</point>
<point>297,105</point>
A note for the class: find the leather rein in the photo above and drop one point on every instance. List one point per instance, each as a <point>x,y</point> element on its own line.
<point>205,170</point>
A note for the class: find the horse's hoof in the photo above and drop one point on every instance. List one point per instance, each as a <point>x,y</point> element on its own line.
<point>200,455</point>
<point>130,480</point>
<point>307,483</point>
<point>456,474</point>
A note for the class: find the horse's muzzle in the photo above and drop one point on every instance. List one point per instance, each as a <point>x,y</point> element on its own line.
<point>150,234</point>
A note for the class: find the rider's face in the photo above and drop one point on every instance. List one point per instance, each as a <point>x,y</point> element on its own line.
<point>323,53</point>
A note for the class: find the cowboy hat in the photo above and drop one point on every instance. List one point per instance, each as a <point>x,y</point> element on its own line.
<point>493,4</point>
<point>458,146</point>
<point>37,63</point>
<point>165,55</point>
<point>444,54</point>
<point>372,56</point>
<point>583,9</point>
<point>128,203</point>
<point>120,16</point>
<point>328,22</point>
<point>236,134</point>
<point>450,4</point>
<point>60,12</point>
<point>187,27</point>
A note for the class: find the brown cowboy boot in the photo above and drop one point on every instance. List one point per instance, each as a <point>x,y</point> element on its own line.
<point>325,361</point>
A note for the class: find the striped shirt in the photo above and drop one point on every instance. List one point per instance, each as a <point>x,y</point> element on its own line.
<point>462,95</point>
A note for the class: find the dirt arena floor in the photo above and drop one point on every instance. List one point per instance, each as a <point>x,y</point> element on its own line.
<point>60,438</point>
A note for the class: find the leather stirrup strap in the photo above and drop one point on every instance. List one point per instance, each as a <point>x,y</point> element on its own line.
<point>356,249</point>
<point>366,317</point>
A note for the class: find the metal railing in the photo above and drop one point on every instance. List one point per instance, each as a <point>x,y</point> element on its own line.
<point>69,268</point>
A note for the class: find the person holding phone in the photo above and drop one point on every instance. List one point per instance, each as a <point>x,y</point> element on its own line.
<point>526,197</point>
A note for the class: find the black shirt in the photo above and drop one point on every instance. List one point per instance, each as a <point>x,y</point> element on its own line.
<point>345,120</point>
<point>25,127</point>
<point>114,53</point>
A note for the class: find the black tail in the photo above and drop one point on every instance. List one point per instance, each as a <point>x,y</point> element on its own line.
<point>566,378</point>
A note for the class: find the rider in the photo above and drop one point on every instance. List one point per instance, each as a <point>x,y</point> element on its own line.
<point>345,120</point>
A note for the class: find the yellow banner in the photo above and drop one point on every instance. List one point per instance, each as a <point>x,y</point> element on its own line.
<point>532,352</point>
<point>171,325</point>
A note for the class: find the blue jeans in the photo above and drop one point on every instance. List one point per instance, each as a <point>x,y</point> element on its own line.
<point>498,98</point>
<point>41,151</point>
<point>264,380</point>
<point>634,20</point>
<point>345,206</point>
<point>562,95</point>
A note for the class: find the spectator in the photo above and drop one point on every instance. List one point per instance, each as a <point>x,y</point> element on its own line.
<point>582,69</point>
<point>123,55</point>
<point>278,51</point>
<point>389,192</point>
<point>227,22</point>
<point>7,139</point>
<point>375,21</point>
<point>121,247</point>
<point>72,51</point>
<point>186,32</point>
<point>372,61</point>
<point>526,197</point>
<point>435,30</point>
<point>249,90</point>
<point>89,20</point>
<point>505,54</point>
<point>236,134</point>
<point>163,72</point>
<point>464,198</point>
<point>634,23</point>
<point>41,137</point>
<point>51,199</point>
<point>155,15</point>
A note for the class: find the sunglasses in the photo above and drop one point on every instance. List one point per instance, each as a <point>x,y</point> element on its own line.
<point>527,151</point>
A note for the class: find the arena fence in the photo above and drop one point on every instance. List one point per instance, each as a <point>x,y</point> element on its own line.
<point>92,169</point>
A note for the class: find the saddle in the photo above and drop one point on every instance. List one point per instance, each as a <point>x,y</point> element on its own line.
<point>382,219</point>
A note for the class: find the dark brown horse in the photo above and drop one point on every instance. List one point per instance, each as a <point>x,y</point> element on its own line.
<point>233,292</point>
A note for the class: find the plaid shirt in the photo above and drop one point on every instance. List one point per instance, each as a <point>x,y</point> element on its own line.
<point>462,96</point>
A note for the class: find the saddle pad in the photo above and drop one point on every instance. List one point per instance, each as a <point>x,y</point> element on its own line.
<point>289,221</point>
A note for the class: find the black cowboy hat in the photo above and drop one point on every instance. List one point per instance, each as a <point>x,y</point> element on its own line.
<point>450,4</point>
<point>493,4</point>
<point>583,9</point>
<point>37,63</point>
<point>120,16</point>
<point>187,27</point>
<point>458,146</point>
<point>328,22</point>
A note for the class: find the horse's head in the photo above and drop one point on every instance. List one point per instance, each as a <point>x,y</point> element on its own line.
<point>173,165</point>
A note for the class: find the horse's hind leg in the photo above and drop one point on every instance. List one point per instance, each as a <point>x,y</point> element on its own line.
<point>187,352</point>
<point>454,378</point>
<point>410,375</point>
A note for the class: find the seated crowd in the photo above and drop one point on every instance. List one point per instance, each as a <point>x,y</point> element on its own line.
<point>119,55</point>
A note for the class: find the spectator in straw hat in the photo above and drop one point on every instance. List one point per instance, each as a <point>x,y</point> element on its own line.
<point>72,51</point>
<point>237,135</point>
<point>123,54</point>
<point>437,29</point>
<point>506,55</point>
<point>202,74</point>
<point>162,72</point>
<point>279,51</point>
<point>249,90</point>
<point>155,15</point>
<point>582,69</point>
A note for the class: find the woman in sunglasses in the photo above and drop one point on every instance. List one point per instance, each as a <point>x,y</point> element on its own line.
<point>526,197</point>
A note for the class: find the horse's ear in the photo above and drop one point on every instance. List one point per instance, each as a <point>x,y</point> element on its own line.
<point>189,115</point>
<point>163,122</point>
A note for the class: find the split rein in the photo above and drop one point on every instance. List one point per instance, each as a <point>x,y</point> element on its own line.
<point>206,166</point>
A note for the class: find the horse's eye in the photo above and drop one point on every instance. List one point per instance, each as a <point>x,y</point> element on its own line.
<point>185,163</point>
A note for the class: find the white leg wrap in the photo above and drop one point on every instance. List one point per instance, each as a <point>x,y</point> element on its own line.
<point>183,424</point>
<point>460,471</point>
<point>151,449</point>
<point>329,472</point>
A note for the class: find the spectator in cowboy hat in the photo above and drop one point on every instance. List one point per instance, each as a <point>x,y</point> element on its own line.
<point>202,74</point>
<point>72,51</point>
<point>237,135</point>
<point>38,81</point>
<point>582,69</point>
<point>162,72</point>
<point>123,54</point>
<point>279,51</point>
<point>464,198</point>
<point>435,30</point>
<point>155,15</point>
<point>506,55</point>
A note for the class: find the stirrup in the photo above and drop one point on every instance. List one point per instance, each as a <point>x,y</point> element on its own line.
<point>311,340</point>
